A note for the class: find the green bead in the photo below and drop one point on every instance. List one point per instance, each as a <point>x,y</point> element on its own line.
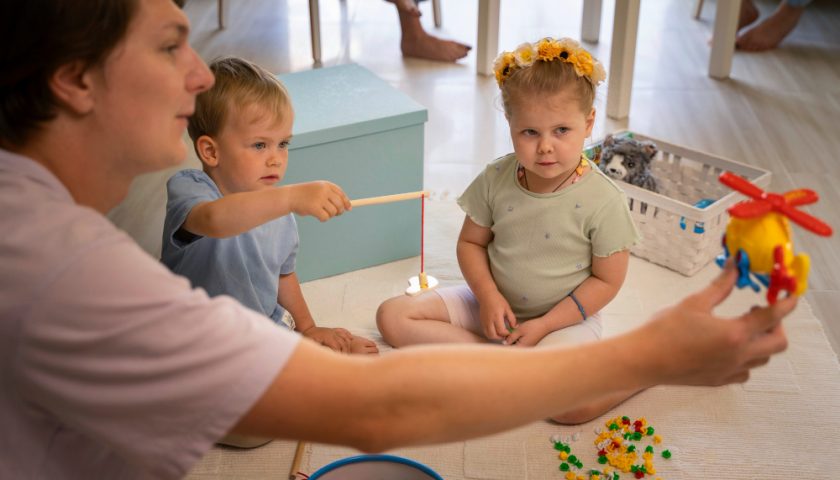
<point>567,449</point>
<point>613,426</point>
<point>666,453</point>
<point>642,468</point>
<point>637,436</point>
<point>650,430</point>
<point>564,466</point>
<point>602,459</point>
<point>558,446</point>
<point>625,418</point>
<point>572,459</point>
<point>579,464</point>
<point>649,449</point>
<point>594,472</point>
<point>615,476</point>
<point>634,468</point>
<point>631,448</point>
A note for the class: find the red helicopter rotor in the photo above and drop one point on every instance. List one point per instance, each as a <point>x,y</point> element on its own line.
<point>763,202</point>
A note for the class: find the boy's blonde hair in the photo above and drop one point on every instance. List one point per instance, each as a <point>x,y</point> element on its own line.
<point>548,66</point>
<point>239,84</point>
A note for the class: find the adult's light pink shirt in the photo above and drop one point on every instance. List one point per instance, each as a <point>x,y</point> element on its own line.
<point>111,366</point>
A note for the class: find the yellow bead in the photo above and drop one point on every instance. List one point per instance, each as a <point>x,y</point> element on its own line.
<point>657,439</point>
<point>564,455</point>
<point>571,476</point>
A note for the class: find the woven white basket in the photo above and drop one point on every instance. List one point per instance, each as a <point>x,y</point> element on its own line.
<point>676,233</point>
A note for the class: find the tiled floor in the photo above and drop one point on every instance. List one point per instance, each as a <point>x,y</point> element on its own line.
<point>780,110</point>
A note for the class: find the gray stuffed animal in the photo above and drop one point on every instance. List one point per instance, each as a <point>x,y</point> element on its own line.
<point>629,160</point>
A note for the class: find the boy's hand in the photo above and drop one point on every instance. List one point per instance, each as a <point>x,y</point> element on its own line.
<point>322,200</point>
<point>337,339</point>
<point>529,333</point>
<point>496,316</point>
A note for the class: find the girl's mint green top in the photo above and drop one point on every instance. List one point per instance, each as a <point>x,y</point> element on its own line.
<point>543,244</point>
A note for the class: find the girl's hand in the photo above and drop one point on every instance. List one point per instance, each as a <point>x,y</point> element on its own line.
<point>529,333</point>
<point>337,339</point>
<point>495,315</point>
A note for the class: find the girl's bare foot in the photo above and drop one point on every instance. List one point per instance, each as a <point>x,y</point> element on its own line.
<point>749,14</point>
<point>769,33</point>
<point>361,345</point>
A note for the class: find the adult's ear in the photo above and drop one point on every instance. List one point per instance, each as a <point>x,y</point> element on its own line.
<point>72,86</point>
<point>208,151</point>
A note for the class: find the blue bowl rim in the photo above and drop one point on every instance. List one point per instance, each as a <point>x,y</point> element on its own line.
<point>374,458</point>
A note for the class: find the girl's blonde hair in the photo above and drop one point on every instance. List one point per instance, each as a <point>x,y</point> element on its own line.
<point>239,84</point>
<point>548,66</point>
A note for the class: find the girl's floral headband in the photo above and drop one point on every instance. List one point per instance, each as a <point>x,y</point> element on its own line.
<point>547,50</point>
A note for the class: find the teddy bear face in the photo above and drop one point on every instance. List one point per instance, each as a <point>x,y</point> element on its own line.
<point>624,159</point>
<point>629,160</point>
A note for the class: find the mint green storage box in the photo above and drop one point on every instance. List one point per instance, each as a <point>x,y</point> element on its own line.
<point>355,130</point>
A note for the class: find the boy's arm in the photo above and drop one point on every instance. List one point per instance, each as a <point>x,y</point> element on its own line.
<point>290,297</point>
<point>236,213</point>
<point>475,265</point>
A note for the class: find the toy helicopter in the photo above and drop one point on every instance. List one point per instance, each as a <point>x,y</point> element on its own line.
<point>758,236</point>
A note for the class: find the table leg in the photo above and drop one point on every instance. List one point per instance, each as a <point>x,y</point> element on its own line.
<point>590,28</point>
<point>488,36</point>
<point>723,41</point>
<point>622,58</point>
<point>315,30</point>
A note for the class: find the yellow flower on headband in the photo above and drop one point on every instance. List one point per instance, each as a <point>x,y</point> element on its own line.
<point>503,66</point>
<point>549,49</point>
<point>582,62</point>
<point>525,55</point>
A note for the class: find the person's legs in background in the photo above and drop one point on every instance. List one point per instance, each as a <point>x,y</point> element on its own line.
<point>417,43</point>
<point>773,29</point>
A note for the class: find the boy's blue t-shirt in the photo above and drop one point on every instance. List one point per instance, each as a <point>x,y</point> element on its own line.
<point>247,267</point>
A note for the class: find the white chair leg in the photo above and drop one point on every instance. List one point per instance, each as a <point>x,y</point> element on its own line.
<point>698,9</point>
<point>220,5</point>
<point>436,13</point>
<point>590,28</point>
<point>315,30</point>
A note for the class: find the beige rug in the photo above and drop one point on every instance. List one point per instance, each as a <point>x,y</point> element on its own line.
<point>779,425</point>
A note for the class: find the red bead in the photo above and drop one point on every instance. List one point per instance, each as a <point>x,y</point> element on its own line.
<point>639,474</point>
<point>602,452</point>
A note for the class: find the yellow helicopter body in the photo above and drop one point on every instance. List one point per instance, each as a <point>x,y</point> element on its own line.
<point>759,238</point>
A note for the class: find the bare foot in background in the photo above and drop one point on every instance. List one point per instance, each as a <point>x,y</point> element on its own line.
<point>771,31</point>
<point>423,45</point>
<point>417,43</point>
<point>749,14</point>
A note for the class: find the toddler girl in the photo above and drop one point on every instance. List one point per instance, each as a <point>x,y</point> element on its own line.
<point>544,244</point>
